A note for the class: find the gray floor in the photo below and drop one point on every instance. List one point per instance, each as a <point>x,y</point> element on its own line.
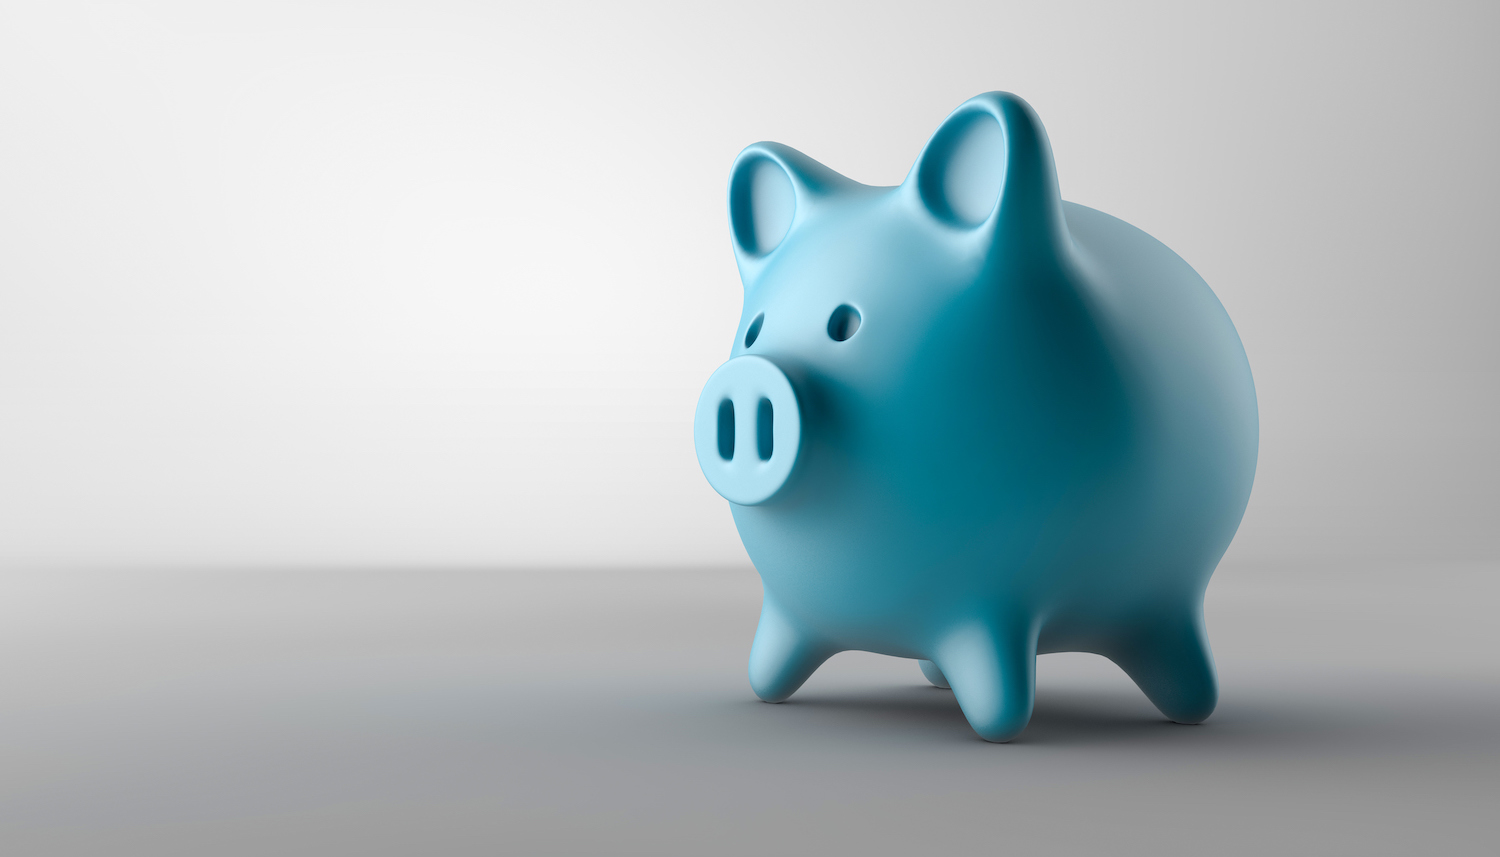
<point>608,713</point>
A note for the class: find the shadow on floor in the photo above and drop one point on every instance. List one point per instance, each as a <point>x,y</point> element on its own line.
<point>1059,717</point>
<point>1354,720</point>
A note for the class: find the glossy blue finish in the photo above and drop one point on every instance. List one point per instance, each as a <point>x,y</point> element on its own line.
<point>1002,424</point>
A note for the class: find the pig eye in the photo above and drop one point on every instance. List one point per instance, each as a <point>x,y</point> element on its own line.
<point>754,332</point>
<point>843,323</point>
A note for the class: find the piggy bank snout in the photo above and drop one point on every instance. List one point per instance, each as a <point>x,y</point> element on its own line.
<point>748,430</point>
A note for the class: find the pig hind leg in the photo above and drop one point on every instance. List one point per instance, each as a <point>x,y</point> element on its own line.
<point>1169,660</point>
<point>784,655</point>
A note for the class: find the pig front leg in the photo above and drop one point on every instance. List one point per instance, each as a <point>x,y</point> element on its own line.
<point>934,674</point>
<point>1169,660</point>
<point>784,655</point>
<point>992,670</point>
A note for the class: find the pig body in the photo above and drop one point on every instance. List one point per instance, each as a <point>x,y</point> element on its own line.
<point>965,422</point>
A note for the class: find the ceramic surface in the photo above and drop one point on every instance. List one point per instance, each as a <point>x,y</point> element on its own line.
<point>966,422</point>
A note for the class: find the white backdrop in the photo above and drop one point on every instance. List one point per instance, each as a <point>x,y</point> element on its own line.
<point>436,284</point>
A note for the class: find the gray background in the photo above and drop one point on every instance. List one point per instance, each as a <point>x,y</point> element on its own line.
<point>375,284</point>
<point>347,495</point>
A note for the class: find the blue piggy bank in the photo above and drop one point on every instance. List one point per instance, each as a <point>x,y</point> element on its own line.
<point>966,422</point>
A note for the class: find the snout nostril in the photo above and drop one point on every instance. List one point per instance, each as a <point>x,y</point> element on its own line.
<point>764,438</point>
<point>726,430</point>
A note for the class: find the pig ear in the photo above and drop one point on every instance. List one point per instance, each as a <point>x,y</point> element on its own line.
<point>773,191</point>
<point>989,170</point>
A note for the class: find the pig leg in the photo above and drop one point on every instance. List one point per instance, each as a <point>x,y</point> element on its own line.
<point>992,670</point>
<point>1169,660</point>
<point>934,674</point>
<point>783,655</point>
